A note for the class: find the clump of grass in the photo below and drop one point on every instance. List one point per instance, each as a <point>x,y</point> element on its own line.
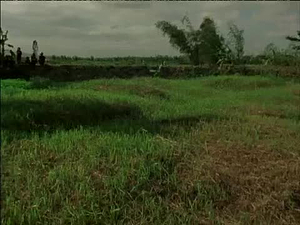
<point>44,83</point>
<point>242,84</point>
<point>142,91</point>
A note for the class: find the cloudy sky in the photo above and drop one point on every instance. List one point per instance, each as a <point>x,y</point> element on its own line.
<point>104,29</point>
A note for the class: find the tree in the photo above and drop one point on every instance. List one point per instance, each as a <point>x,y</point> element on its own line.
<point>271,50</point>
<point>236,42</point>
<point>294,39</point>
<point>211,43</point>
<point>3,39</point>
<point>292,49</point>
<point>270,53</point>
<point>202,45</point>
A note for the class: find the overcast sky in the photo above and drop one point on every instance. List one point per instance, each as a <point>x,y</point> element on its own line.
<point>120,28</point>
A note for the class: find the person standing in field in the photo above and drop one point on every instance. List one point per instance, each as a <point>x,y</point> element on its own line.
<point>33,60</point>
<point>27,61</point>
<point>19,56</point>
<point>42,59</point>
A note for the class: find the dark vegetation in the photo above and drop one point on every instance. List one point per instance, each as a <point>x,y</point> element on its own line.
<point>78,73</point>
<point>294,39</point>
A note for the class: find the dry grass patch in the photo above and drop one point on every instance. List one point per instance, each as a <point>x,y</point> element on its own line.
<point>258,110</point>
<point>296,92</point>
<point>258,181</point>
<point>268,113</point>
<point>253,170</point>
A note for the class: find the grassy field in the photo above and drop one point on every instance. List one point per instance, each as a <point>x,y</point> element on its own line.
<point>215,150</point>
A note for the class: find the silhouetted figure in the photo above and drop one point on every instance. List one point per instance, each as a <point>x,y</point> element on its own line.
<point>42,59</point>
<point>19,56</point>
<point>27,61</point>
<point>33,60</point>
<point>8,61</point>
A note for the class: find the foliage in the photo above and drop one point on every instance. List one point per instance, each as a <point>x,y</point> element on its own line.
<point>236,43</point>
<point>3,40</point>
<point>211,43</point>
<point>272,55</point>
<point>203,45</point>
<point>286,57</point>
<point>295,39</point>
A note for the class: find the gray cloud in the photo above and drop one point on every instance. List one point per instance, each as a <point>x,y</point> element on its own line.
<point>128,5</point>
<point>127,28</point>
<point>74,21</point>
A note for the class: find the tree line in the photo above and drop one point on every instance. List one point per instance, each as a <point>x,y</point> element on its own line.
<point>205,45</point>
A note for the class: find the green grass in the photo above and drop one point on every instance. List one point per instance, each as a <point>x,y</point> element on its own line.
<point>215,150</point>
